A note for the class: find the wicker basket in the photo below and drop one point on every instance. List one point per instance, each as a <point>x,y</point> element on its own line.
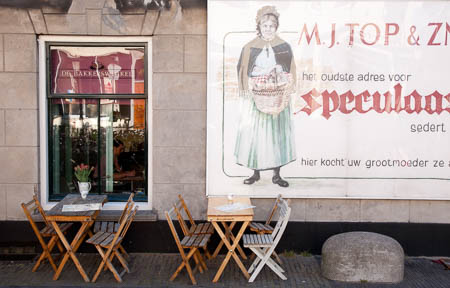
<point>272,100</point>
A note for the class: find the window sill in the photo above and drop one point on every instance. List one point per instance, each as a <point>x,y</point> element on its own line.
<point>113,215</point>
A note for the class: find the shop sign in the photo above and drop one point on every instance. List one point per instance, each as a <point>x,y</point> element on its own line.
<point>338,99</point>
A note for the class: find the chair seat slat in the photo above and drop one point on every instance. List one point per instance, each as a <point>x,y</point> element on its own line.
<point>108,240</point>
<point>111,227</point>
<point>104,226</point>
<point>98,238</point>
<point>198,240</point>
<point>202,228</point>
<point>205,240</point>
<point>256,240</point>
<point>191,242</point>
<point>260,228</point>
<point>97,226</point>
<point>185,240</point>
<point>49,231</point>
<point>196,230</point>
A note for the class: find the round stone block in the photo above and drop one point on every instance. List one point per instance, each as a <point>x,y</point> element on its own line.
<point>362,256</point>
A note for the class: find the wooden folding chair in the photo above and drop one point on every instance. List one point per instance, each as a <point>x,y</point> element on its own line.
<point>111,242</point>
<point>112,226</point>
<point>263,245</point>
<point>265,228</point>
<point>47,232</point>
<point>193,228</point>
<point>191,242</point>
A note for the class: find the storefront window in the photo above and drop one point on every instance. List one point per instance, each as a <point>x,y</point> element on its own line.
<point>97,106</point>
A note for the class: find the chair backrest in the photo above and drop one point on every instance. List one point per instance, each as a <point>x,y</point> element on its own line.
<point>130,199</point>
<point>284,212</point>
<point>29,208</point>
<point>170,216</point>
<point>180,208</point>
<point>130,212</point>
<point>274,209</point>
<point>127,218</point>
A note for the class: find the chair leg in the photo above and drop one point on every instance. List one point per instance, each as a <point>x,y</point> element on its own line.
<point>105,260</point>
<point>208,255</point>
<point>259,266</point>
<point>275,264</point>
<point>122,260</point>
<point>197,263</point>
<point>191,274</point>
<point>201,260</point>
<point>46,253</point>
<point>254,264</point>
<point>275,255</point>
<point>185,263</point>
<point>60,247</point>
<point>264,255</point>
<point>124,253</point>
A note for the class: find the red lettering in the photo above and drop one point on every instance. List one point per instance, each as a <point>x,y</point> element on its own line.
<point>433,37</point>
<point>447,97</point>
<point>398,98</point>
<point>412,103</point>
<point>447,31</point>
<point>387,102</point>
<point>312,105</point>
<point>352,32</point>
<point>417,103</point>
<point>429,103</point>
<point>389,33</point>
<point>377,36</point>
<point>346,98</point>
<point>359,99</point>
<point>326,103</point>
<point>314,33</point>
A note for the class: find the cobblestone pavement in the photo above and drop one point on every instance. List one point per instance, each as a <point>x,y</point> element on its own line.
<point>154,270</point>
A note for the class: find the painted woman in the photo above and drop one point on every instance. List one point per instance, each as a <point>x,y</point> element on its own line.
<point>265,140</point>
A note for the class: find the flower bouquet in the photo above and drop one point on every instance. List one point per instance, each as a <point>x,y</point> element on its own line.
<point>82,173</point>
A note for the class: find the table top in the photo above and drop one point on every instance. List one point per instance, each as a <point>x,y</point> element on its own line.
<point>56,212</point>
<point>214,214</point>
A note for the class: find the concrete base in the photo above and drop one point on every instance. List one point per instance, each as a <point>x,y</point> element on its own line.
<point>362,256</point>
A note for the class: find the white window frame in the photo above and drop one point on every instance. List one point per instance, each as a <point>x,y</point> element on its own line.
<point>43,113</point>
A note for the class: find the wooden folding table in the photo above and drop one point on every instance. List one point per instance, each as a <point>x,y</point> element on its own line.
<point>231,242</point>
<point>86,218</point>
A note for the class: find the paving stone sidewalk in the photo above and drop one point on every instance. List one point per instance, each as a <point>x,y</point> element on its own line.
<point>154,270</point>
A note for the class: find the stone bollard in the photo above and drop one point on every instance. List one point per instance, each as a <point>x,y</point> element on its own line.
<point>362,256</point>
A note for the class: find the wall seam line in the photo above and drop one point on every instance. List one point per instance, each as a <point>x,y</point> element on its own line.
<point>3,54</point>
<point>4,129</point>
<point>143,21</point>
<point>184,54</point>
<point>156,22</point>
<point>45,22</point>
<point>31,20</point>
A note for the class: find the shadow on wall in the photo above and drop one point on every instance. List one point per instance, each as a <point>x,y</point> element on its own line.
<point>62,5</point>
<point>121,5</point>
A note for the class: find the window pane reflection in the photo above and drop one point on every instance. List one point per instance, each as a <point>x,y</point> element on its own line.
<point>117,153</point>
<point>74,140</point>
<point>123,142</point>
<point>97,70</point>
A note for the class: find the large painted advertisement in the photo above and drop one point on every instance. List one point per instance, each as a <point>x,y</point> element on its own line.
<point>323,99</point>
